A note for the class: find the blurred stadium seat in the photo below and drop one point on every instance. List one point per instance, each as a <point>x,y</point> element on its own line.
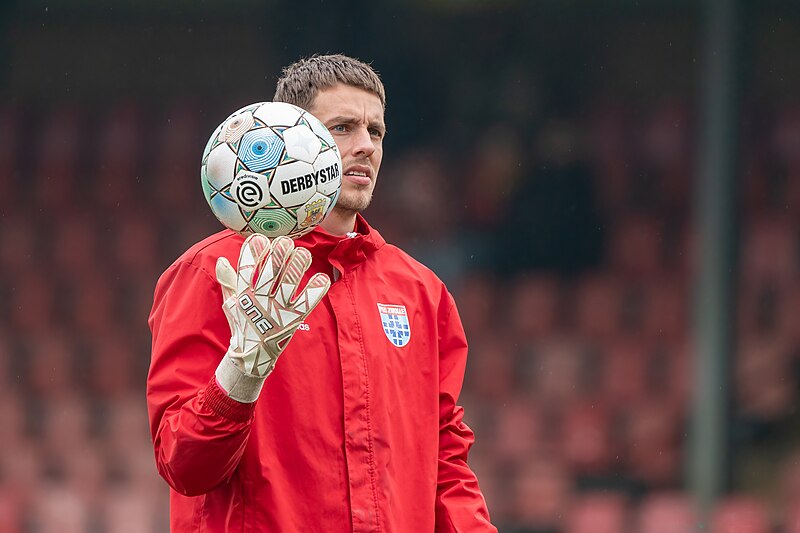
<point>603,512</point>
<point>667,512</point>
<point>740,514</point>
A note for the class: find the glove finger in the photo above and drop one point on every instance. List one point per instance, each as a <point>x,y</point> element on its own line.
<point>272,266</point>
<point>226,276</point>
<point>312,294</point>
<point>298,263</point>
<point>254,249</point>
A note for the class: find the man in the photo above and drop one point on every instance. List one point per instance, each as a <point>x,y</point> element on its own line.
<point>357,427</point>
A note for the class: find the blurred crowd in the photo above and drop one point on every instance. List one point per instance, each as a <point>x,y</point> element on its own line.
<point>570,254</point>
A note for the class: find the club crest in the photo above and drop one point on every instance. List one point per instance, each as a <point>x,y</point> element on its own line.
<point>395,323</point>
<point>315,211</point>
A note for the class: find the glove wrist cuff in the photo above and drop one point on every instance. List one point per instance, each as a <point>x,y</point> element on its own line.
<point>239,385</point>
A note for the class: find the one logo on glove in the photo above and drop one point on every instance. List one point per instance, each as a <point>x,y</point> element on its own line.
<point>254,313</point>
<point>395,323</point>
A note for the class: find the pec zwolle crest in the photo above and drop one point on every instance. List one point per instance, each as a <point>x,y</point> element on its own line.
<point>395,323</point>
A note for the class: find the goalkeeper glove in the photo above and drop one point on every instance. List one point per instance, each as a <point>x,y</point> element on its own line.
<point>263,310</point>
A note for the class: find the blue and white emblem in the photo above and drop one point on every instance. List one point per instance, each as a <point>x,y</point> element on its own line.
<point>395,323</point>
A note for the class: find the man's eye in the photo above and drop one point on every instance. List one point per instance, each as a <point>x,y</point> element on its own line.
<point>338,127</point>
<point>376,133</point>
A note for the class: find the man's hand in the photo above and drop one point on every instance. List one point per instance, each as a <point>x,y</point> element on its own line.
<point>264,309</point>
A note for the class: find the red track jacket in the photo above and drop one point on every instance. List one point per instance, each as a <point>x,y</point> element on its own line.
<point>356,429</point>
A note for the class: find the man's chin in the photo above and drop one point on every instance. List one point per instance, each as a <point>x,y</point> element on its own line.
<point>350,204</point>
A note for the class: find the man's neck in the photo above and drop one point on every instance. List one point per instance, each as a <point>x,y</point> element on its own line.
<point>339,222</point>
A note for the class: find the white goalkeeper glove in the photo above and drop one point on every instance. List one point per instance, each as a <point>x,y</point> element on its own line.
<point>264,309</point>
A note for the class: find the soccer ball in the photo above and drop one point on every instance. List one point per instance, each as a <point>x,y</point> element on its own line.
<point>271,168</point>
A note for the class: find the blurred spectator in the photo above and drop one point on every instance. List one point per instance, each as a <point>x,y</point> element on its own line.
<point>553,209</point>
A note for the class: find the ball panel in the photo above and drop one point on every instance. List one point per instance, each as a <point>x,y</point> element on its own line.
<point>221,166</point>
<point>273,222</point>
<point>319,128</point>
<point>312,212</point>
<point>208,190</point>
<point>250,190</point>
<point>329,159</point>
<point>301,143</point>
<point>236,126</point>
<point>278,114</point>
<point>293,184</point>
<point>228,212</point>
<point>260,149</point>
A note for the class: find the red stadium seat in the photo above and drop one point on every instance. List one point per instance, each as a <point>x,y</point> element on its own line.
<point>18,243</point>
<point>57,509</point>
<point>177,158</point>
<point>476,296</point>
<point>12,419</point>
<point>84,469</point>
<point>769,251</point>
<point>22,467</point>
<point>651,442</point>
<point>75,245</point>
<point>666,512</point>
<point>542,490</point>
<point>624,371</point>
<point>587,444</point>
<point>32,302</point>
<point>791,517</point>
<point>110,364</point>
<point>118,158</point>
<point>11,511</point>
<point>131,509</point>
<point>560,368</point>
<point>740,514</point>
<point>93,303</point>
<point>490,369</point>
<point>58,152</point>
<point>667,309</point>
<point>597,311</point>
<point>50,364</point>
<point>636,247</point>
<point>790,479</point>
<point>535,308</point>
<point>610,156</point>
<point>135,245</point>
<point>126,423</point>
<point>519,431</point>
<point>762,388</point>
<point>664,153</point>
<point>600,512</point>
<point>66,423</point>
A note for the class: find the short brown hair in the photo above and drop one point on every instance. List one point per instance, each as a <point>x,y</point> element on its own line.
<point>302,80</point>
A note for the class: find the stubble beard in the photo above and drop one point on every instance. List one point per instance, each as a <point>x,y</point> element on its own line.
<point>354,201</point>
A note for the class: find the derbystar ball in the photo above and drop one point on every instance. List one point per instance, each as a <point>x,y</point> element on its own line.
<point>271,168</point>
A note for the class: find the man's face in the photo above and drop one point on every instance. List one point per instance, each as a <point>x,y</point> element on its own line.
<point>354,117</point>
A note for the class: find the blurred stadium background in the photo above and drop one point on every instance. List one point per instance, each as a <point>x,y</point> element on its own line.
<point>544,158</point>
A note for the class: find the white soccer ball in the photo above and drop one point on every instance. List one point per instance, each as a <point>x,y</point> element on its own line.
<point>271,168</point>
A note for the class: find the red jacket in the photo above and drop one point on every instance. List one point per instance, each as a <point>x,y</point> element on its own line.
<point>356,429</point>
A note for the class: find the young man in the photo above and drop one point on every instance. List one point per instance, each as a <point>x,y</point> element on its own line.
<point>357,428</point>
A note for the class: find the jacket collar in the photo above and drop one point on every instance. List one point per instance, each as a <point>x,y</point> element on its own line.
<point>343,251</point>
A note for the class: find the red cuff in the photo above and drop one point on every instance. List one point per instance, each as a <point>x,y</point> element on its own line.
<point>223,405</point>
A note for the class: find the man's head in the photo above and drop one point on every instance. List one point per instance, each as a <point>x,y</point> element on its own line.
<point>348,97</point>
<point>302,80</point>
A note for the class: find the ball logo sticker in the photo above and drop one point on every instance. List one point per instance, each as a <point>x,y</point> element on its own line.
<point>249,190</point>
<point>395,323</point>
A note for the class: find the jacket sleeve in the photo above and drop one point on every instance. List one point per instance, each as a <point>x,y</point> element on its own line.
<point>460,506</point>
<point>199,433</point>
